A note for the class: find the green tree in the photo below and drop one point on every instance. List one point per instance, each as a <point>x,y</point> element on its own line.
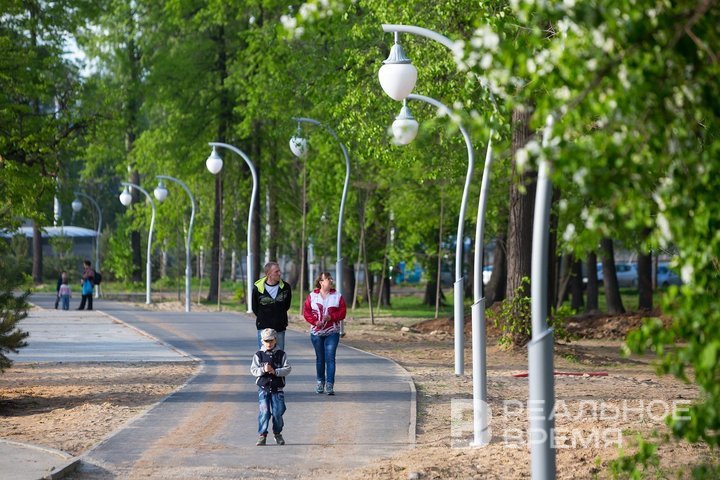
<point>39,116</point>
<point>13,308</point>
<point>633,87</point>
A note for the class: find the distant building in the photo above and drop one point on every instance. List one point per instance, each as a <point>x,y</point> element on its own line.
<point>83,239</point>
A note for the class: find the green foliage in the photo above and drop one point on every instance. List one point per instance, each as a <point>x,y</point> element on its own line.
<point>513,317</point>
<point>558,321</point>
<point>63,259</point>
<point>637,466</point>
<point>13,308</point>
<point>20,246</point>
<point>118,258</point>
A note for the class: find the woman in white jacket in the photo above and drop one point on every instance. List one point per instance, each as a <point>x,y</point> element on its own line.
<point>324,309</point>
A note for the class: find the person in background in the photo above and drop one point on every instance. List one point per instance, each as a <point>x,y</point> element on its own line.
<point>270,367</point>
<point>65,294</point>
<point>324,309</point>
<point>62,278</point>
<point>271,299</point>
<point>88,286</point>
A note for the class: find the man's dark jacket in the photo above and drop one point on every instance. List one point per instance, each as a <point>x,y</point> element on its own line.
<point>271,312</point>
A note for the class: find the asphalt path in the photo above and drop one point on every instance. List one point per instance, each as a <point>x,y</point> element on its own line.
<point>208,428</point>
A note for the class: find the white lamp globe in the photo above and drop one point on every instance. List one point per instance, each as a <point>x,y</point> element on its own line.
<point>405,127</point>
<point>214,162</point>
<point>397,75</point>
<point>398,79</point>
<point>76,205</point>
<point>160,192</point>
<point>125,197</point>
<point>299,146</point>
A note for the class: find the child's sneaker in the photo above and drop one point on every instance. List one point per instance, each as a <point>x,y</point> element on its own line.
<point>279,440</point>
<point>319,387</point>
<point>262,440</point>
<point>329,389</point>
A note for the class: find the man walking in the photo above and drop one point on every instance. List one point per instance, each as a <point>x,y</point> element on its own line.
<point>271,298</point>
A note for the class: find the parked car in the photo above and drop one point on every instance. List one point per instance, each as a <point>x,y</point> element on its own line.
<point>627,274</point>
<point>666,276</point>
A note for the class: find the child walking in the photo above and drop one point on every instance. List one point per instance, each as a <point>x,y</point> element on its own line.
<point>270,367</point>
<point>64,294</point>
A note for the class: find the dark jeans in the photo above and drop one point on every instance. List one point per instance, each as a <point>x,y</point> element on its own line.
<point>325,348</point>
<point>86,298</point>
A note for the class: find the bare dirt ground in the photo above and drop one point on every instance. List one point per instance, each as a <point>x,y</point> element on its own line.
<point>601,409</point>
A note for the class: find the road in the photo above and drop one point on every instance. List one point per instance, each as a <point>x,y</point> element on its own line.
<point>208,428</point>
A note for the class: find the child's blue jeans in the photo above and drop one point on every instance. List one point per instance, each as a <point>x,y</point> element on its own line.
<point>272,404</point>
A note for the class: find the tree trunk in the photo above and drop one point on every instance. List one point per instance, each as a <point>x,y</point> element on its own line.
<point>645,288</point>
<point>564,277</point>
<point>383,295</point>
<point>438,277</point>
<point>301,283</point>
<point>133,102</point>
<point>613,300</point>
<point>37,266</point>
<point>519,240</point>
<point>592,283</point>
<point>495,289</point>
<point>576,286</point>
<point>553,258</point>
<point>135,242</point>
<point>224,120</point>
<point>256,230</point>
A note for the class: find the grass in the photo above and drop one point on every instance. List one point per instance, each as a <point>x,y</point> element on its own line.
<point>406,301</point>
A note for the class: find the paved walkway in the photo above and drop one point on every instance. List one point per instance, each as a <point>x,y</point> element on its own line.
<point>207,429</point>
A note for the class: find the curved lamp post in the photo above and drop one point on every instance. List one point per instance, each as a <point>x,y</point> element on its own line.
<point>161,193</point>
<point>77,206</point>
<point>540,349</point>
<point>126,200</point>
<point>480,412</point>
<point>299,147</point>
<point>403,129</point>
<point>214,164</point>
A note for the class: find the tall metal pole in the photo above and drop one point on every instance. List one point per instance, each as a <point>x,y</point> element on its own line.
<point>148,263</point>
<point>479,353</point>
<point>540,349</point>
<point>253,195</point>
<point>97,236</point>
<point>339,262</point>
<point>188,271</point>
<point>458,291</point>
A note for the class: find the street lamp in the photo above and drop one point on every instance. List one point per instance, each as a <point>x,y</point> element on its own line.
<point>214,164</point>
<point>405,127</point>
<point>397,75</point>
<point>126,199</point>
<point>77,206</point>
<point>161,194</point>
<point>479,341</point>
<point>300,149</point>
<point>401,135</point>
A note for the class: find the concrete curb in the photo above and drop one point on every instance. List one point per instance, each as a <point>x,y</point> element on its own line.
<point>36,462</point>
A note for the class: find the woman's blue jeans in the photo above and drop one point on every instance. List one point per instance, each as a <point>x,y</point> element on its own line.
<point>272,404</point>
<point>325,348</point>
